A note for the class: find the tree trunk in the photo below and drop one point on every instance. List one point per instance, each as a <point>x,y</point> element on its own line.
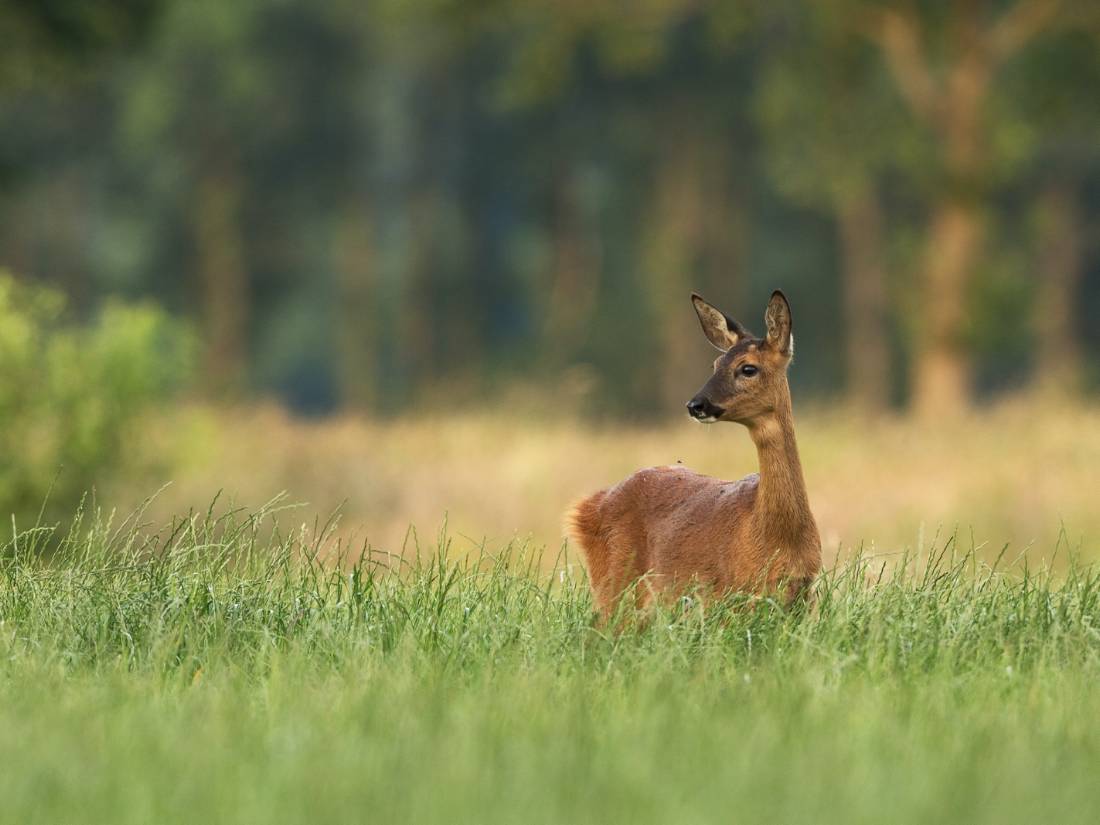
<point>1060,270</point>
<point>672,259</point>
<point>697,239</point>
<point>356,312</point>
<point>223,277</point>
<point>421,332</point>
<point>726,230</point>
<point>67,244</point>
<point>575,273</point>
<point>859,219</point>
<point>950,99</point>
<point>941,379</point>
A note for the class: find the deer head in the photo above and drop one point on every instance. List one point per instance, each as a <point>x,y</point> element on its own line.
<point>750,376</point>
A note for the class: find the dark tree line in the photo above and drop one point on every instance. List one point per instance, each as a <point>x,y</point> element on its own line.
<point>373,205</point>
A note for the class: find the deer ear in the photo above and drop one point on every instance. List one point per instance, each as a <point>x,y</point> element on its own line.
<point>778,318</point>
<point>721,330</point>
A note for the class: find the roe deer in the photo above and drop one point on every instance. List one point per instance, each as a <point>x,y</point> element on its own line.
<point>675,528</point>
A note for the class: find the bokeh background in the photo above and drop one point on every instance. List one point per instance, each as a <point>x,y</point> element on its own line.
<point>419,260</point>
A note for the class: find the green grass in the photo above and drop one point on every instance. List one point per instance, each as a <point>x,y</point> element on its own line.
<point>219,671</point>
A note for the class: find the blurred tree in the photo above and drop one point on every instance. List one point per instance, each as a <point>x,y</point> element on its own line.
<point>945,62</point>
<point>424,200</point>
<point>48,40</point>
<point>241,118</point>
<point>190,114</point>
<point>52,48</point>
<point>1060,266</point>
<point>574,276</point>
<point>356,267</point>
<point>1050,97</point>
<point>833,130</point>
<point>665,68</point>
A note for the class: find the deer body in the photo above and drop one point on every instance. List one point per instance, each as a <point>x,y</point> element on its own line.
<point>673,529</point>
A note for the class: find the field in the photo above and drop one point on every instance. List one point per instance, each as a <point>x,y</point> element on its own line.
<point>216,670</point>
<point>1019,474</point>
<point>253,665</point>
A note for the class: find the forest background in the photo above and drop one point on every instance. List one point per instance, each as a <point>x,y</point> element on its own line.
<point>426,257</point>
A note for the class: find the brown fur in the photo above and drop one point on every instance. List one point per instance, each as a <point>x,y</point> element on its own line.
<point>675,529</point>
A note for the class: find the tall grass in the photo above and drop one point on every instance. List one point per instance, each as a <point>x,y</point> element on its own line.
<point>222,669</point>
<point>1016,473</point>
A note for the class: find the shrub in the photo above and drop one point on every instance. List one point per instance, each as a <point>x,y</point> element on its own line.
<point>69,392</point>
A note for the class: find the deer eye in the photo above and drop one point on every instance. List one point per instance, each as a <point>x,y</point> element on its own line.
<point>749,369</point>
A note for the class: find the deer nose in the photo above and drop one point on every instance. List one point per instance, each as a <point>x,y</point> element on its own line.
<point>699,407</point>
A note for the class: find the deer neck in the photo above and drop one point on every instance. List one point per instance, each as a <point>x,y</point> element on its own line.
<point>782,508</point>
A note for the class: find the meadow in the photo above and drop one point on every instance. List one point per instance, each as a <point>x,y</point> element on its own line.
<point>217,670</point>
<point>275,662</point>
<point>1021,473</point>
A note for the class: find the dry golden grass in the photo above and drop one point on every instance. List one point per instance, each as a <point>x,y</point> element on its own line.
<point>1010,474</point>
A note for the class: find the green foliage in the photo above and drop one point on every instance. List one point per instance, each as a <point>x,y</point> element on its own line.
<point>219,670</point>
<point>393,180</point>
<point>69,392</point>
<point>55,40</point>
<point>818,98</point>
